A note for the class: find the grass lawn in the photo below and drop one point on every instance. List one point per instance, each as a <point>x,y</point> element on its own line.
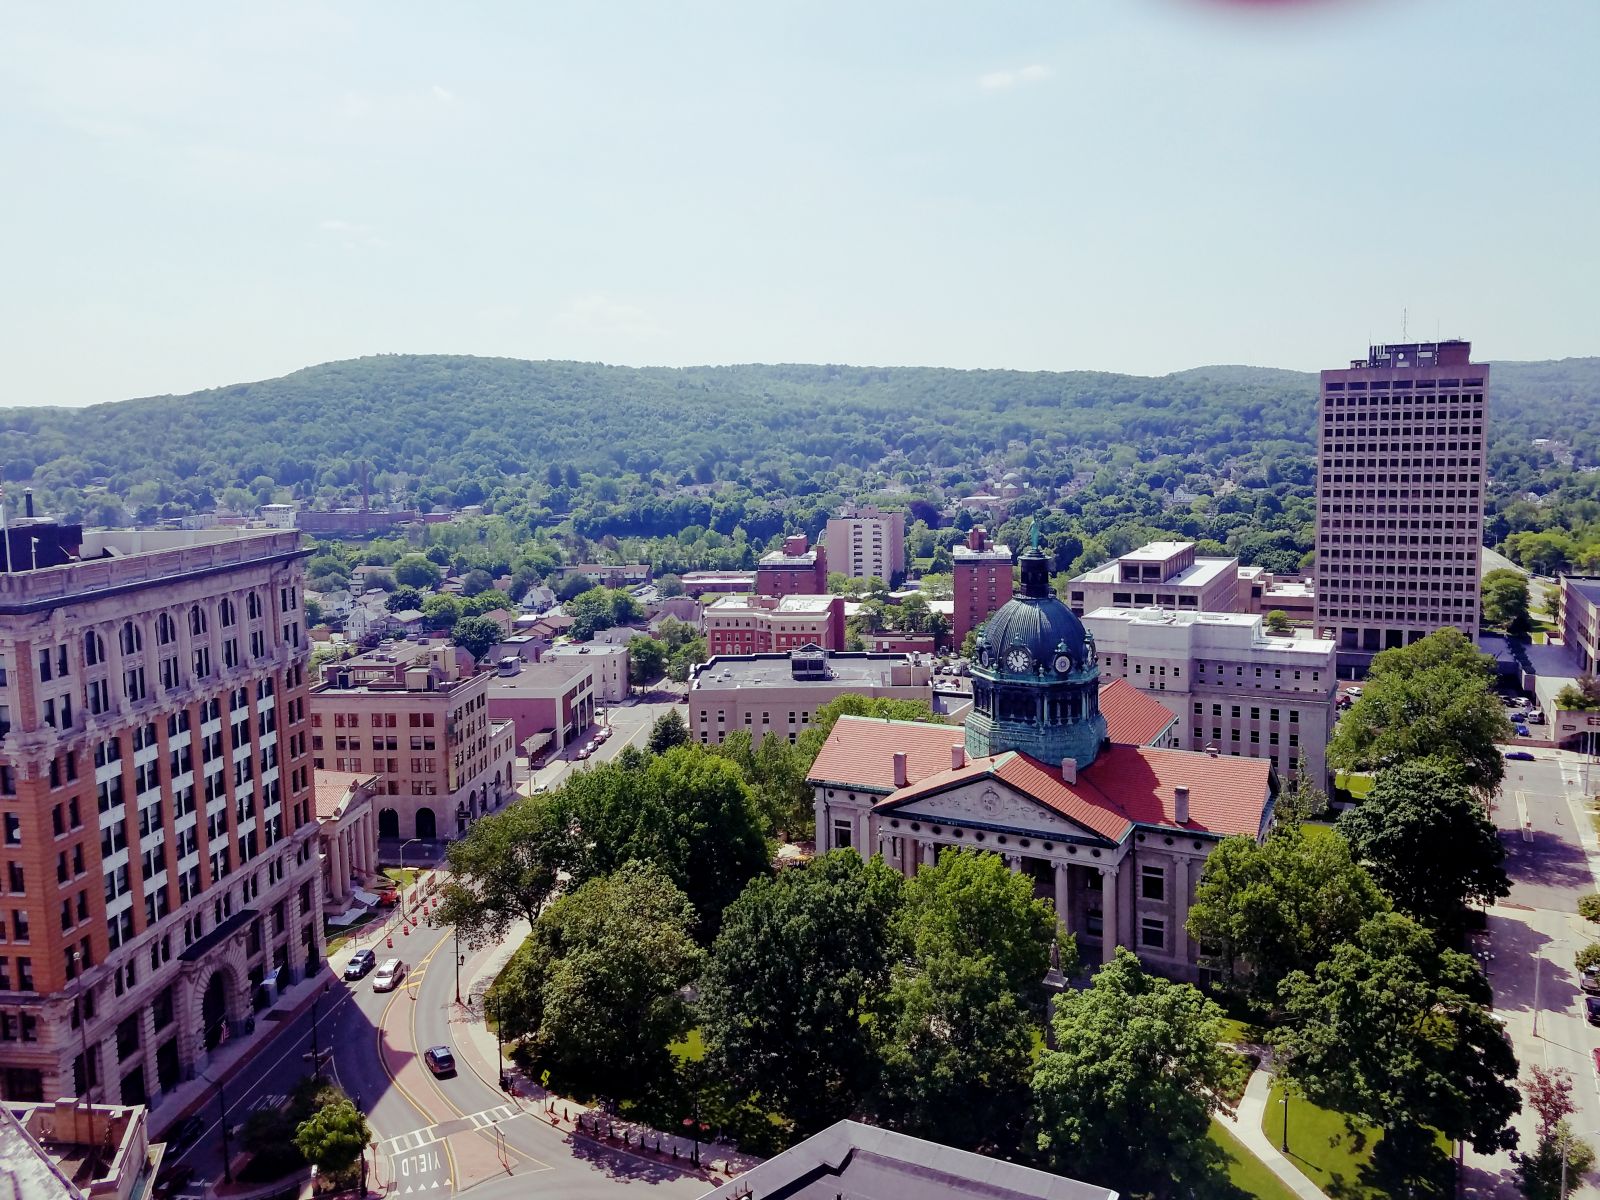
<point>691,1049</point>
<point>404,876</point>
<point>1247,1172</point>
<point>1326,1152</point>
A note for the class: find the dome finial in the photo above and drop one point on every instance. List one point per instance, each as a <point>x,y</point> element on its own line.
<point>1033,532</point>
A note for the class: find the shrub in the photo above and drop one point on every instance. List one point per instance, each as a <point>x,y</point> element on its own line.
<point>1589,906</point>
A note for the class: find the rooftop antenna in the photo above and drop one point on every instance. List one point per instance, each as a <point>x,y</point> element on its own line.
<point>1405,323</point>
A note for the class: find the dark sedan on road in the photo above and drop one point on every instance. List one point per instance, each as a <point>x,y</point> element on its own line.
<point>440,1061</point>
<point>1591,1009</point>
<point>1520,755</point>
<point>360,963</point>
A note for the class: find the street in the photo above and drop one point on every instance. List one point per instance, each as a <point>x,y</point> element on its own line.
<point>1529,945</point>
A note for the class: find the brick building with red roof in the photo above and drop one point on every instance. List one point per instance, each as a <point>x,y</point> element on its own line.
<point>1073,783</point>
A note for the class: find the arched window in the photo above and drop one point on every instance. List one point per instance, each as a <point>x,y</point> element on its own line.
<point>94,649</point>
<point>197,621</point>
<point>252,605</point>
<point>131,639</point>
<point>226,612</point>
<point>166,630</point>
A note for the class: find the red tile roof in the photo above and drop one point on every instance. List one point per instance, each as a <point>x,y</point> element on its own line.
<point>859,753</point>
<point>1132,717</point>
<point>331,787</point>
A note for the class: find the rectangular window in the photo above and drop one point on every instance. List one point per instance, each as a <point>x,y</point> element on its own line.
<point>1153,932</point>
<point>843,833</point>
<point>1153,882</point>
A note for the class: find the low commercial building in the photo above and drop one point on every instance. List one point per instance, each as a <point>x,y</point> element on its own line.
<point>70,1150</point>
<point>774,624</point>
<point>717,583</point>
<point>780,693</point>
<point>549,704</point>
<point>416,714</point>
<point>348,834</point>
<point>856,1160</point>
<point>609,664</point>
<point>1580,620</point>
<point>1237,688</point>
<point>1167,574</point>
<point>798,569</point>
<point>609,574</point>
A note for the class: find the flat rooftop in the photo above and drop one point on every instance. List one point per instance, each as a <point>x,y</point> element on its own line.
<point>848,669</point>
<point>1201,572</point>
<point>785,604</point>
<point>1587,586</point>
<point>1183,619</point>
<point>777,558</point>
<point>538,677</point>
<point>988,552</point>
<point>1156,551</point>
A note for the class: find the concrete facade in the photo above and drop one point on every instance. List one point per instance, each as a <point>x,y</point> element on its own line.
<point>609,665</point>
<point>1400,494</point>
<point>864,542</point>
<point>160,859</point>
<point>780,693</point>
<point>416,715</point>
<point>1168,574</point>
<point>1580,621</point>
<point>549,704</point>
<point>1232,685</point>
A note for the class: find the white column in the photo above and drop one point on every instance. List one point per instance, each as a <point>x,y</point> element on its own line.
<point>864,835</point>
<point>1109,927</point>
<point>930,852</point>
<point>1063,891</point>
<point>819,813</point>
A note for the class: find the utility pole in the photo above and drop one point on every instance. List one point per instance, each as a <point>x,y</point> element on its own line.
<point>227,1152</point>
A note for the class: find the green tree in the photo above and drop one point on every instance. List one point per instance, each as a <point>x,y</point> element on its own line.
<point>688,655</point>
<point>476,635</point>
<point>668,586</point>
<point>476,581</point>
<point>1583,695</point>
<point>1395,1030</point>
<point>686,810</point>
<point>647,660</point>
<point>1557,1165</point>
<point>506,869</point>
<point>795,982</point>
<point>1131,1046</point>
<point>333,1138</point>
<point>1431,699</point>
<point>415,571</point>
<point>1302,800</point>
<point>595,990</point>
<point>965,1003</point>
<point>442,610</point>
<point>402,599</point>
<point>1279,906</point>
<point>1429,843</point>
<point>852,704</point>
<point>1505,601</point>
<point>669,730</point>
<point>1277,621</point>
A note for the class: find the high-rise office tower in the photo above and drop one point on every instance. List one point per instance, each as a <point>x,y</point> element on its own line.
<point>1400,481</point>
<point>159,873</point>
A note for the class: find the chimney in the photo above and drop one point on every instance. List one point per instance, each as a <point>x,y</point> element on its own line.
<point>977,536</point>
<point>1180,804</point>
<point>900,775</point>
<point>1212,751</point>
<point>958,756</point>
<point>1069,770</point>
<point>27,502</point>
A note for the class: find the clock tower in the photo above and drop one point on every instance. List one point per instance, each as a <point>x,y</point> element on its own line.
<point>1036,684</point>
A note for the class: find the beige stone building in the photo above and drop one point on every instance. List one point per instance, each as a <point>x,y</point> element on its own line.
<point>607,664</point>
<point>780,693</point>
<point>1232,685</point>
<point>415,714</point>
<point>1168,574</point>
<point>159,877</point>
<point>865,542</point>
<point>349,834</point>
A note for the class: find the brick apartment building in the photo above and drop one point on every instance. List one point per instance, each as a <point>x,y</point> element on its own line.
<point>1400,485</point>
<point>983,582</point>
<point>798,569</point>
<point>773,624</point>
<point>415,714</point>
<point>159,873</point>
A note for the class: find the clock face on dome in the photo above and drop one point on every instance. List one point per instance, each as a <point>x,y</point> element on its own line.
<point>1018,660</point>
<point>1063,664</point>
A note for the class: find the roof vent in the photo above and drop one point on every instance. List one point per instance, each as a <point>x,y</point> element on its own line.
<point>1180,804</point>
<point>1212,751</point>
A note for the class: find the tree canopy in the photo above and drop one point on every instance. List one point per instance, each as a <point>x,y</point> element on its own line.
<point>1431,699</point>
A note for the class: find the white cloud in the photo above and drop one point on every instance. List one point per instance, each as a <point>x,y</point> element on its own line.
<point>996,81</point>
<point>443,94</point>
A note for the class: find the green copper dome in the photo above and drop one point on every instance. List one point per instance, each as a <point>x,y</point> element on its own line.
<point>1035,624</point>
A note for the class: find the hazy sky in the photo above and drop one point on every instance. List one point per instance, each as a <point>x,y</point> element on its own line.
<point>200,194</point>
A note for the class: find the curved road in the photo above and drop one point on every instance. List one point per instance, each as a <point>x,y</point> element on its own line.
<point>441,1137</point>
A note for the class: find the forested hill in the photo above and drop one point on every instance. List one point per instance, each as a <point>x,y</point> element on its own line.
<point>441,428</point>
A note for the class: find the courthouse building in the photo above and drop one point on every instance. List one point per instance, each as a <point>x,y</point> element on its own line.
<point>1114,832</point>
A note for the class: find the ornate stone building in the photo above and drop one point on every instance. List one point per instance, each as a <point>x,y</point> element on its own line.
<point>1114,831</point>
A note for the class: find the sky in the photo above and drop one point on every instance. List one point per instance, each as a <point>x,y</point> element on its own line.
<point>201,194</point>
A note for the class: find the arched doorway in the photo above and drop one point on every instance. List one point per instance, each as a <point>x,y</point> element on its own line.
<point>388,823</point>
<point>427,826</point>
<point>214,1009</point>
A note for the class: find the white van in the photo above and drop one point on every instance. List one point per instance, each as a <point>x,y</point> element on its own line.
<point>388,975</point>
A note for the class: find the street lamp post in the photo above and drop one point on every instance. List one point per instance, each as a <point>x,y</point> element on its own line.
<point>227,1152</point>
<point>1284,1100</point>
<point>458,965</point>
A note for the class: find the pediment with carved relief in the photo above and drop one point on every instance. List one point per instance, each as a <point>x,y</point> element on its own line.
<point>990,802</point>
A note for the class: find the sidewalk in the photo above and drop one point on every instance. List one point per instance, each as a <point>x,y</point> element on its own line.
<point>1245,1124</point>
<point>478,1048</point>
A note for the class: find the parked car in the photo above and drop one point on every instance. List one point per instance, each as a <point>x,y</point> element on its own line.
<point>1520,727</point>
<point>360,963</point>
<point>1536,717</point>
<point>440,1061</point>
<point>1591,1009</point>
<point>389,975</point>
<point>583,753</point>
<point>1520,755</point>
<point>1589,981</point>
<point>183,1134</point>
